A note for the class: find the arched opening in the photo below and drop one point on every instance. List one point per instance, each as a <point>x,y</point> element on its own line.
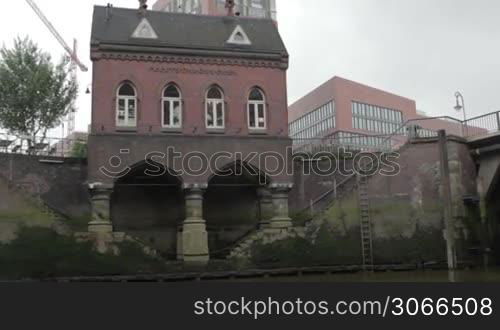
<point>126,105</point>
<point>148,204</point>
<point>214,108</point>
<point>257,116</point>
<point>171,107</point>
<point>232,207</point>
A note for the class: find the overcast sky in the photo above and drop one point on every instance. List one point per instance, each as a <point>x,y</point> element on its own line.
<point>422,49</point>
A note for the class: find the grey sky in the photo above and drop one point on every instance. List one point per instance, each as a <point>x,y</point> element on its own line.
<point>421,49</point>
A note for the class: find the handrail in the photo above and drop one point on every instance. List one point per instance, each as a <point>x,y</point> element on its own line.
<point>397,132</point>
<point>481,116</point>
<point>348,178</point>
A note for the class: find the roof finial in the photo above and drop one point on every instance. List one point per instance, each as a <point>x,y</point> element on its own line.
<point>143,6</point>
<point>230,7</point>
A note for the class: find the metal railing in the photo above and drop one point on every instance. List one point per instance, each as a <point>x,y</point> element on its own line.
<point>482,125</point>
<point>419,128</point>
<point>412,129</point>
<point>42,146</point>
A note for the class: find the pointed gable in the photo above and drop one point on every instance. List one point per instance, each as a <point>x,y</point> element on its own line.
<point>239,37</point>
<point>144,30</point>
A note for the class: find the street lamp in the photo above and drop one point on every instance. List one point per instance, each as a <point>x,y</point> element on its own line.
<point>459,108</point>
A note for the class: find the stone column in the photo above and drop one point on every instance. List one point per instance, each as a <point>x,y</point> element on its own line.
<point>281,218</point>
<point>100,227</point>
<point>449,224</point>
<point>101,208</point>
<point>266,211</point>
<point>194,232</point>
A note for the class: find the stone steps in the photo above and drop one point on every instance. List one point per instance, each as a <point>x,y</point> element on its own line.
<point>267,236</point>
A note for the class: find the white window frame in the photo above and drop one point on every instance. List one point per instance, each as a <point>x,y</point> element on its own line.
<point>171,101</point>
<point>215,103</point>
<point>256,105</point>
<point>126,98</point>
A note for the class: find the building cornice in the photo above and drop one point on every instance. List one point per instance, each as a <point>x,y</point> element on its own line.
<point>185,56</point>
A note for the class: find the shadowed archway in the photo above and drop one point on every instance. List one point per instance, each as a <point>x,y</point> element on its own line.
<point>148,204</point>
<point>231,206</point>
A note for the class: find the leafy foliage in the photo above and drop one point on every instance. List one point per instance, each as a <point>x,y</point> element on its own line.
<point>35,94</point>
<point>79,150</point>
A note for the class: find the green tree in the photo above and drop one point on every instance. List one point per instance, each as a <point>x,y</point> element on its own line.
<point>35,94</point>
<point>79,150</point>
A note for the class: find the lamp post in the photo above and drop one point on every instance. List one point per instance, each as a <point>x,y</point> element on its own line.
<point>461,107</point>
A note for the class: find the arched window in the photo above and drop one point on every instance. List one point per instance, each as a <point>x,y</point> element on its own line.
<point>257,110</point>
<point>171,107</point>
<point>126,106</point>
<point>214,108</point>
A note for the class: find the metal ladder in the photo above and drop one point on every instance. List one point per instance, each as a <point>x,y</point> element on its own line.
<point>365,222</point>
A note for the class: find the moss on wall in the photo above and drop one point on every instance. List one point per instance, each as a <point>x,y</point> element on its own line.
<point>41,253</point>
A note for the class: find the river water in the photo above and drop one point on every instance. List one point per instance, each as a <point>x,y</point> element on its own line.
<point>464,276</point>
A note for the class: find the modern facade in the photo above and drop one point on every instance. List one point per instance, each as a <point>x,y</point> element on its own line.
<point>247,8</point>
<point>354,113</point>
<point>199,87</point>
<point>357,116</point>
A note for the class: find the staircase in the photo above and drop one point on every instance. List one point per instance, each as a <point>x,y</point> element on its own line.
<point>366,224</point>
<point>242,248</point>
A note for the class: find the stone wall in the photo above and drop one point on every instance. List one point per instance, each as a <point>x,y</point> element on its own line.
<point>59,184</point>
<point>406,210</point>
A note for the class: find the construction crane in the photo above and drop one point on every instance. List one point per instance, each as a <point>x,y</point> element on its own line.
<point>72,52</point>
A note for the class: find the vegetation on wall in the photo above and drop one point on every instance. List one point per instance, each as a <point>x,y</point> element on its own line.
<point>42,253</point>
<point>325,250</point>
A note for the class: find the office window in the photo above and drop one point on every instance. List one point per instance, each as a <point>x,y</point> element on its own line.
<point>315,123</point>
<point>374,118</point>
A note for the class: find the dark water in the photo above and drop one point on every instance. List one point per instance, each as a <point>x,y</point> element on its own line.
<point>464,276</point>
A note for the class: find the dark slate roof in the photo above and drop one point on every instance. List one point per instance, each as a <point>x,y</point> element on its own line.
<point>185,31</point>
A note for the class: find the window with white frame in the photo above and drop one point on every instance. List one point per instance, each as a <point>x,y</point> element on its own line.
<point>257,110</point>
<point>171,107</point>
<point>214,109</point>
<point>126,106</point>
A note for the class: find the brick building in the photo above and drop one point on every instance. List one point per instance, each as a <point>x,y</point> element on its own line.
<point>357,115</point>
<point>250,8</point>
<point>201,85</point>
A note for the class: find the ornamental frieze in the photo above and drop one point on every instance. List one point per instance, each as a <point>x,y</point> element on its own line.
<point>189,60</point>
<point>178,70</point>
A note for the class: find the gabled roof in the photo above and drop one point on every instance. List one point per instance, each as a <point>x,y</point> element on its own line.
<point>116,27</point>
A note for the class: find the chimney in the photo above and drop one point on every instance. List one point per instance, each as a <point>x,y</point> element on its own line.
<point>143,7</point>
<point>230,7</point>
<point>109,11</point>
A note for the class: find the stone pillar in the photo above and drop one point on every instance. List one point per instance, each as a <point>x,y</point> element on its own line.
<point>266,211</point>
<point>449,224</point>
<point>194,240</point>
<point>101,208</point>
<point>180,255</point>
<point>281,219</point>
<point>100,227</point>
